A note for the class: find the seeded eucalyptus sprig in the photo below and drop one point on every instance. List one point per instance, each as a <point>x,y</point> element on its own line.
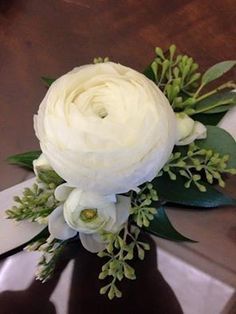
<point>179,79</point>
<point>197,165</point>
<point>121,248</point>
<point>141,210</point>
<point>35,204</point>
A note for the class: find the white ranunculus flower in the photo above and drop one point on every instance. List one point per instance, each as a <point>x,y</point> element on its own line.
<point>87,213</point>
<point>105,128</point>
<point>188,130</point>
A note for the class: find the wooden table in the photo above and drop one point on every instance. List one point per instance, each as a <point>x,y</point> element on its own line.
<point>51,37</point>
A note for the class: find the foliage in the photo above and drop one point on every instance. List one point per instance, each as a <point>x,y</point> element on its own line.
<point>179,79</point>
<point>198,165</point>
<point>161,226</point>
<point>24,159</point>
<point>141,211</point>
<point>51,250</point>
<point>220,141</point>
<point>100,60</point>
<point>35,204</point>
<point>121,248</point>
<point>47,80</point>
<point>174,192</point>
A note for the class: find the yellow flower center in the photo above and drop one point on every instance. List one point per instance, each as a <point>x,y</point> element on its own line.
<point>88,214</point>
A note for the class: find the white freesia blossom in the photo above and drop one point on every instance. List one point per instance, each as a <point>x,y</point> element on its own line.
<point>189,130</point>
<point>87,213</point>
<point>105,128</point>
<point>41,163</point>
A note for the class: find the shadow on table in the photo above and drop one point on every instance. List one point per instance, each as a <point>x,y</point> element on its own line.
<point>148,293</point>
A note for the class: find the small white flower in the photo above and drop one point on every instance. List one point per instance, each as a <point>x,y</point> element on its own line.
<point>87,213</point>
<point>189,130</point>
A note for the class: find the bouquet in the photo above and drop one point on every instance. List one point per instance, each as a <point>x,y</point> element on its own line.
<point>117,147</point>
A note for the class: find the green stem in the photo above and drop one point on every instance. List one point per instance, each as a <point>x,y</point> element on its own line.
<point>223,86</point>
<point>187,93</point>
<point>120,254</point>
<point>198,90</point>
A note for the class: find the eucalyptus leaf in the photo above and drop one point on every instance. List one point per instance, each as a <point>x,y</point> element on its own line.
<point>161,227</point>
<point>209,119</point>
<point>211,103</point>
<point>47,80</point>
<point>173,191</point>
<point>220,141</point>
<point>24,159</point>
<point>223,108</point>
<point>217,71</point>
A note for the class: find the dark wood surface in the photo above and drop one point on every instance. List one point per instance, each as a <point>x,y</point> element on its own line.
<point>50,37</point>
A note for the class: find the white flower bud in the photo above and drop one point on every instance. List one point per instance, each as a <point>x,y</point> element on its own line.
<point>188,130</point>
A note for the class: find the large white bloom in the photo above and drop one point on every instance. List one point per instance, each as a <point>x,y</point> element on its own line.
<point>105,128</point>
<point>87,213</point>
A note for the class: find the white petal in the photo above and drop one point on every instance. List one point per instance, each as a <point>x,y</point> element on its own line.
<point>228,122</point>
<point>122,209</point>
<point>199,132</point>
<point>63,191</point>
<point>122,212</point>
<point>110,198</point>
<point>92,243</point>
<point>57,226</point>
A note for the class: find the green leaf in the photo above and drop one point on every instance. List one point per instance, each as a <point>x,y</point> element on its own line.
<point>173,191</point>
<point>217,71</point>
<point>161,226</point>
<point>211,103</point>
<point>49,176</point>
<point>220,109</point>
<point>148,72</point>
<point>25,159</point>
<point>209,119</point>
<point>47,80</point>
<point>220,141</point>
